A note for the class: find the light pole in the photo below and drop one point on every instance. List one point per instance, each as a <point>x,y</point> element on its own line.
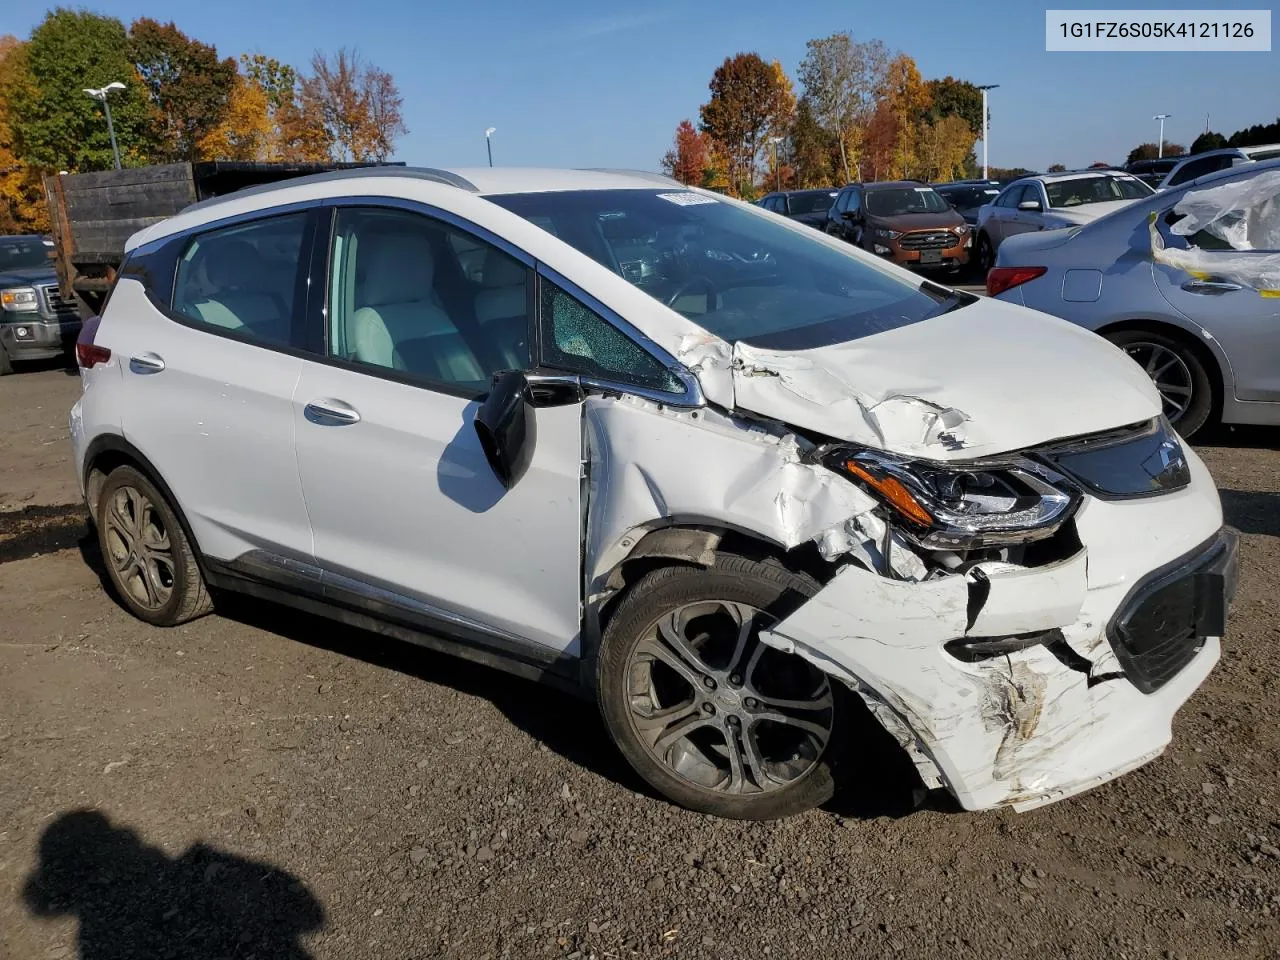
<point>488,142</point>
<point>1162,117</point>
<point>777,170</point>
<point>984,89</point>
<point>100,94</point>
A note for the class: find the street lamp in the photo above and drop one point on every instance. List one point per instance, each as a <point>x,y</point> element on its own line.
<point>777,170</point>
<point>1162,117</point>
<point>984,89</point>
<point>488,143</point>
<point>100,94</point>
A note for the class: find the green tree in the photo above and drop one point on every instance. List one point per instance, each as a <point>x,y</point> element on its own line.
<point>1256,136</point>
<point>747,101</point>
<point>189,86</point>
<point>1208,141</point>
<point>812,149</point>
<point>278,81</point>
<point>1057,168</point>
<point>956,98</point>
<point>54,124</point>
<point>1151,151</point>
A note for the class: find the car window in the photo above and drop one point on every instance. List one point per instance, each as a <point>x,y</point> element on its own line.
<point>1260,155</point>
<point>1198,168</point>
<point>818,201</point>
<point>842,201</point>
<point>433,303</point>
<point>895,201</point>
<point>1010,197</point>
<point>243,279</point>
<point>23,253</point>
<point>577,339</point>
<point>1248,221</point>
<point>1078,191</point>
<point>855,200</point>
<point>732,272</point>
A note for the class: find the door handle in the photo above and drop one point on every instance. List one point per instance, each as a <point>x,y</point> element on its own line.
<point>146,363</point>
<point>331,413</point>
<point>1210,286</point>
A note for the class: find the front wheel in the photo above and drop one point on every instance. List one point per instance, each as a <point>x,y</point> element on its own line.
<point>986,256</point>
<point>6,365</point>
<point>1179,374</point>
<point>709,715</point>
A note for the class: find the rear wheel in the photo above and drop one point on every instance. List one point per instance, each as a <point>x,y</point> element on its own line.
<point>148,558</point>
<point>709,715</point>
<point>1178,372</point>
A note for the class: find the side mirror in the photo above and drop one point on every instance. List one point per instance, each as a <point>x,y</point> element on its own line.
<point>1031,205</point>
<point>507,426</point>
<point>849,215</point>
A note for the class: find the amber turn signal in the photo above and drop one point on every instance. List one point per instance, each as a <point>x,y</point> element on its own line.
<point>894,493</point>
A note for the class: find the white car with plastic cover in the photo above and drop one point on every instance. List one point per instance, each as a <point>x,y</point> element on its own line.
<point>722,473</point>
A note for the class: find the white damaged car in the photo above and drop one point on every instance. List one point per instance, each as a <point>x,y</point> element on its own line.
<point>718,471</point>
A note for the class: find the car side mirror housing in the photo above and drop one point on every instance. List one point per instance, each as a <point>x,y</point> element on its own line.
<point>849,215</point>
<point>1031,205</point>
<point>507,424</point>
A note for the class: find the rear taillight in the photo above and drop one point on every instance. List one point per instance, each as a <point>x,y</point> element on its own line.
<point>88,353</point>
<point>1000,279</point>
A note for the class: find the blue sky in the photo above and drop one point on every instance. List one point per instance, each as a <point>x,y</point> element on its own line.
<point>575,83</point>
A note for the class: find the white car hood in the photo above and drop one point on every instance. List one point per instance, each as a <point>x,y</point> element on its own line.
<point>984,379</point>
<point>1088,212</point>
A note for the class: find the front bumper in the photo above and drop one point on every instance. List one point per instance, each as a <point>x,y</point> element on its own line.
<point>956,255</point>
<point>1051,720</point>
<point>37,338</point>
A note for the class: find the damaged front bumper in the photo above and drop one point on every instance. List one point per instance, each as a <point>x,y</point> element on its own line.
<point>1119,635</point>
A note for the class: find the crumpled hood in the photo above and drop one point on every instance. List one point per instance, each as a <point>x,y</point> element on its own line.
<point>989,378</point>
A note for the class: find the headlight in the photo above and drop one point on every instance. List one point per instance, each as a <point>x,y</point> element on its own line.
<point>964,506</point>
<point>962,229</point>
<point>887,234</point>
<point>18,298</point>
<point>1142,461</point>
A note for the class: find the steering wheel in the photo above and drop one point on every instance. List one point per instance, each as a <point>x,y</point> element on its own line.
<point>712,291</point>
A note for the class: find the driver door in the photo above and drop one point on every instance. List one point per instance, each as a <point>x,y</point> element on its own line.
<point>407,514</point>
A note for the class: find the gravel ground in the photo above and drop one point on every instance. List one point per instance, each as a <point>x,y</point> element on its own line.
<point>260,784</point>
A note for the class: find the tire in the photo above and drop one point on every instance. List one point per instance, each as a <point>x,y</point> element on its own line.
<point>797,767</point>
<point>1154,351</point>
<point>6,365</point>
<point>146,552</point>
<point>986,256</point>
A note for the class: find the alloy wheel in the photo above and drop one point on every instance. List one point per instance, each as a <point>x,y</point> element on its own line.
<point>721,709</point>
<point>1169,372</point>
<point>138,548</point>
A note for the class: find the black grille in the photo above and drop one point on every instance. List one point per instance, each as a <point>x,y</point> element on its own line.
<point>928,240</point>
<point>1166,618</point>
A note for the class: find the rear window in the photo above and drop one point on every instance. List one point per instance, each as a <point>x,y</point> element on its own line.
<point>969,196</point>
<point>1082,190</point>
<point>819,202</point>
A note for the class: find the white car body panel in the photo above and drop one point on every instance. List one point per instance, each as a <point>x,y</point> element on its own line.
<point>405,500</point>
<point>402,500</point>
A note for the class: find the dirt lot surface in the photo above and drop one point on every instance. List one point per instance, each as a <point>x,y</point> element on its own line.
<point>261,784</point>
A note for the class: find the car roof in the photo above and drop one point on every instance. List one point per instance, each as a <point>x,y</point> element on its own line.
<point>886,184</point>
<point>1244,168</point>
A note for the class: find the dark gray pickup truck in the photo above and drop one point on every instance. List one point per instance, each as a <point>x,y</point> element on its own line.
<point>36,323</point>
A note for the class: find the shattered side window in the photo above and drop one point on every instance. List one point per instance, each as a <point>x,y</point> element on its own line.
<point>577,339</point>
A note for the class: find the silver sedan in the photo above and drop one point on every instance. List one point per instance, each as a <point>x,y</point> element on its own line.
<point>1183,281</point>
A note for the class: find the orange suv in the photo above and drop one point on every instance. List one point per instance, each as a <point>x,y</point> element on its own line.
<point>905,221</point>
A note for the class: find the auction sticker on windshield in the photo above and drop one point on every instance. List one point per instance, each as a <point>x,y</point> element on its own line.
<point>686,199</point>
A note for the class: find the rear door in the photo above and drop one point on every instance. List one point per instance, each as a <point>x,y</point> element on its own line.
<point>1243,321</point>
<point>208,326</point>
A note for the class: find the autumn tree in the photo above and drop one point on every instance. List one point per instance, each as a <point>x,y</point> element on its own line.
<point>689,156</point>
<point>22,206</point>
<point>246,131</point>
<point>908,101</point>
<point>357,104</point>
<point>189,85</point>
<point>747,102</point>
<point>944,146</point>
<point>843,81</point>
<point>54,125</point>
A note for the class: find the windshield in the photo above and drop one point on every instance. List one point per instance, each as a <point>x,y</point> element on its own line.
<point>969,196</point>
<point>740,274</point>
<point>1081,190</point>
<point>819,201</point>
<point>895,201</point>
<point>23,253</point>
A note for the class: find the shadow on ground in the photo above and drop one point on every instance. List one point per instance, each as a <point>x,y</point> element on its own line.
<point>133,902</point>
<point>1252,511</point>
<point>1241,437</point>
